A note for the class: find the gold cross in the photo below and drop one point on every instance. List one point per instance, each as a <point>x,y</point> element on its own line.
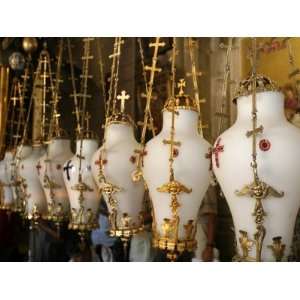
<point>157,44</point>
<point>256,131</point>
<point>181,85</point>
<point>154,69</point>
<point>123,97</point>
<point>197,73</point>
<point>143,95</point>
<point>170,142</point>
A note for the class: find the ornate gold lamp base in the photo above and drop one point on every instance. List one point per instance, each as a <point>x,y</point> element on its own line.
<point>174,248</point>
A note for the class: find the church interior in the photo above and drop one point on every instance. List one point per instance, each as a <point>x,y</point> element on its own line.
<point>149,149</point>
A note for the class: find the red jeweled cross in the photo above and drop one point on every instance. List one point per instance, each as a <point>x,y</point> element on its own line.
<point>38,167</point>
<point>219,148</point>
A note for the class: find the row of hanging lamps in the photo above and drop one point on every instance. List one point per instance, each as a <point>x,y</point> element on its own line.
<point>257,167</point>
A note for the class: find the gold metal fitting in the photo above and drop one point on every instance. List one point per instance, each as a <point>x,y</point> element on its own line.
<point>120,118</point>
<point>181,100</point>
<point>263,84</point>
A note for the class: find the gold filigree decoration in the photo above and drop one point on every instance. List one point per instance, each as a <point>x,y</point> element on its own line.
<point>263,84</point>
<point>277,248</point>
<point>83,219</point>
<point>258,189</point>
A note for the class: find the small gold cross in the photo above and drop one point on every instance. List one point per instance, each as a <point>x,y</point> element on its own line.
<point>181,85</point>
<point>256,131</point>
<point>123,97</point>
<point>170,142</point>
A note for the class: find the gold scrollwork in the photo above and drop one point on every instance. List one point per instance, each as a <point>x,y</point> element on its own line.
<point>83,219</point>
<point>277,248</point>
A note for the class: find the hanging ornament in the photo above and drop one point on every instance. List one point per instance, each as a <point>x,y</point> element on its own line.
<point>263,198</point>
<point>123,196</point>
<point>13,126</point>
<point>16,61</point>
<point>35,200</point>
<point>173,182</point>
<point>58,152</point>
<point>114,163</point>
<point>82,190</point>
<point>29,44</point>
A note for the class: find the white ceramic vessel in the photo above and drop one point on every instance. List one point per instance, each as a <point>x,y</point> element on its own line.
<point>51,178</point>
<point>7,200</point>
<point>84,205</point>
<point>278,166</point>
<point>35,200</point>
<point>191,169</point>
<point>119,162</point>
<point>18,183</point>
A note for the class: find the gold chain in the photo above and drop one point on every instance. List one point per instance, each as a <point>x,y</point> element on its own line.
<point>195,75</point>
<point>54,122</point>
<point>74,94</point>
<point>224,102</point>
<point>101,73</point>
<point>137,174</point>
<point>151,124</point>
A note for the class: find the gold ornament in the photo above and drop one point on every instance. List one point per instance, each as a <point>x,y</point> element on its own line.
<point>29,44</point>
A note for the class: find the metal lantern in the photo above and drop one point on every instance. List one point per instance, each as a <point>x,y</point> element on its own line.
<point>257,165</point>
<point>176,170</point>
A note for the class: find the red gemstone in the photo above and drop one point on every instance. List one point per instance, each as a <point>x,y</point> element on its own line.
<point>175,152</point>
<point>132,159</point>
<point>264,145</point>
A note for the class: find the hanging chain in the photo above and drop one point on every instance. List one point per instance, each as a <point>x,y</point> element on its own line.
<point>151,121</point>
<point>116,74</point>
<point>195,75</point>
<point>224,113</point>
<point>137,174</point>
<point>101,73</point>
<point>46,72</point>
<point>73,80</point>
<point>54,121</point>
<point>84,95</point>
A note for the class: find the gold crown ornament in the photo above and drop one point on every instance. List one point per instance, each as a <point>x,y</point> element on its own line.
<point>263,84</point>
<point>181,100</point>
<point>120,117</point>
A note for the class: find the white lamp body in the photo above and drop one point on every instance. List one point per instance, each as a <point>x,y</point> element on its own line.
<point>35,200</point>
<point>7,200</point>
<point>191,168</point>
<point>278,166</point>
<point>83,215</point>
<point>119,164</point>
<point>19,191</point>
<point>51,178</point>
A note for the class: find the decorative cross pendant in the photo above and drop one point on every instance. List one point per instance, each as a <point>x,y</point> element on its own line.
<point>123,97</point>
<point>219,148</point>
<point>259,129</point>
<point>169,142</point>
<point>67,168</point>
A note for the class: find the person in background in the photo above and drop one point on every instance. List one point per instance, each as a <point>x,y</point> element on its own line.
<point>106,247</point>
